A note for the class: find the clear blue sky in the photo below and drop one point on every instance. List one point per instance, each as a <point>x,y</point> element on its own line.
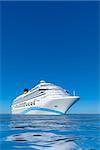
<point>53,41</point>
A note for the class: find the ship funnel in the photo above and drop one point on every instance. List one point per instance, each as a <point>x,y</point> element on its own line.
<point>25,91</point>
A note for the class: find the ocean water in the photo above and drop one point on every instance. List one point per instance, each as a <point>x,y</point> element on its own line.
<point>66,132</point>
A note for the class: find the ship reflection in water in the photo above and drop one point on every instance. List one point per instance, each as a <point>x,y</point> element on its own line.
<point>66,132</point>
<point>44,140</point>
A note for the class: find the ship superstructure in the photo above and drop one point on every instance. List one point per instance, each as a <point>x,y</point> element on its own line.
<point>45,98</point>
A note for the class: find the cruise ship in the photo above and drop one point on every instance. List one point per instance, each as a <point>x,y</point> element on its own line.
<point>44,99</point>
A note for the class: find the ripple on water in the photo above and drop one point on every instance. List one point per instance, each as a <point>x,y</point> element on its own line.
<point>71,132</point>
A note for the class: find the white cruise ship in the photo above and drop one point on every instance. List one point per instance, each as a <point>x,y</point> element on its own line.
<point>45,98</point>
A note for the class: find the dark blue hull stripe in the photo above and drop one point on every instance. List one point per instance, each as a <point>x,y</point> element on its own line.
<point>42,109</point>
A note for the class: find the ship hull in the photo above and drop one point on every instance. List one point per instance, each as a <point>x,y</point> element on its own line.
<point>55,106</point>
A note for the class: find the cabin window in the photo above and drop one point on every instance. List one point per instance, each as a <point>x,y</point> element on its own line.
<point>56,106</point>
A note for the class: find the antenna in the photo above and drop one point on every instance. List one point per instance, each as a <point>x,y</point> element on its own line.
<point>73,92</point>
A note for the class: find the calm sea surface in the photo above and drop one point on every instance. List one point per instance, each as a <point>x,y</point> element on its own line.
<point>66,132</point>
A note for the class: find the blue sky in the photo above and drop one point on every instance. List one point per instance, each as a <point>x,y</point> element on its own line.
<point>53,41</point>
